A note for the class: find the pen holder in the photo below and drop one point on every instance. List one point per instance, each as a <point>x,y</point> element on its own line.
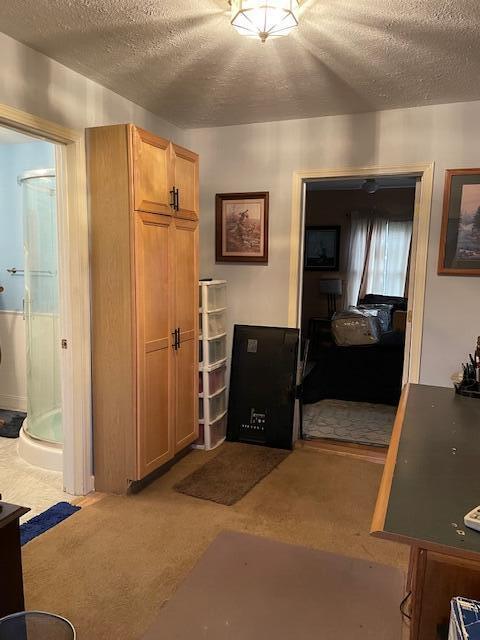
<point>470,390</point>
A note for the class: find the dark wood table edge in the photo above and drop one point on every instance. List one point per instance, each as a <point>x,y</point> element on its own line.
<point>12,598</point>
<point>13,515</point>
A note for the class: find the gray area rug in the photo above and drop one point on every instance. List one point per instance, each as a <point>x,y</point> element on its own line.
<point>250,588</point>
<point>232,473</point>
<point>358,422</point>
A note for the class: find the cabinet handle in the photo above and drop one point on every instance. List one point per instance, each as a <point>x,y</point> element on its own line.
<point>173,200</point>
<point>179,338</point>
<point>174,335</point>
<point>177,200</point>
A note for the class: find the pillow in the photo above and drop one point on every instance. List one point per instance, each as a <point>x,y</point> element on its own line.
<point>353,327</point>
<point>381,311</point>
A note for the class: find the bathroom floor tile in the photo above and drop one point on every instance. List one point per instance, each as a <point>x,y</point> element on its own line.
<point>26,485</point>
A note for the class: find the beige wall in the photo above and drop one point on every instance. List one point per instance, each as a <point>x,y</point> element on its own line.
<point>38,85</point>
<point>264,156</point>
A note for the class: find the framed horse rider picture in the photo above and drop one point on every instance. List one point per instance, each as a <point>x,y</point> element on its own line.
<point>241,229</point>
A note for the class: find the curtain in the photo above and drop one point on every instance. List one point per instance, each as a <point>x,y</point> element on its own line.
<point>378,259</point>
<point>359,233</point>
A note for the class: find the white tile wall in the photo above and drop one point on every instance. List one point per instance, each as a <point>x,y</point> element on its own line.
<point>13,394</point>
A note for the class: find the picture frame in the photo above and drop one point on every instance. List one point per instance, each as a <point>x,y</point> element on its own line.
<point>241,227</point>
<point>322,248</point>
<point>459,253</point>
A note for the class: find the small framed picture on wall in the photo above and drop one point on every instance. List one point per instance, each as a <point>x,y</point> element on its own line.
<point>459,253</point>
<point>241,229</point>
<point>322,248</point>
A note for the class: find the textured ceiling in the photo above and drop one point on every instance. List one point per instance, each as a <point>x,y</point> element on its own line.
<point>182,60</point>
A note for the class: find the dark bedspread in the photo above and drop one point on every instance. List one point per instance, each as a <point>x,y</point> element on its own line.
<point>370,373</point>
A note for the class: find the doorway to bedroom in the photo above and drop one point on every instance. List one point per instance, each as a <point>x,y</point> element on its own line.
<point>356,284</point>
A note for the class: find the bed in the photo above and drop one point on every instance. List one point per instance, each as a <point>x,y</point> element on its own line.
<point>365,373</point>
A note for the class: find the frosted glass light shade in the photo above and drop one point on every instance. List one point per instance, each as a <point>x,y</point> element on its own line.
<point>264,18</point>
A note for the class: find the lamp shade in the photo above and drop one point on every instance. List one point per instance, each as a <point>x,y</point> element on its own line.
<point>264,18</point>
<point>330,285</point>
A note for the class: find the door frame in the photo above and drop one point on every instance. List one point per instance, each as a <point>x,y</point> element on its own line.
<point>73,255</point>
<point>421,229</point>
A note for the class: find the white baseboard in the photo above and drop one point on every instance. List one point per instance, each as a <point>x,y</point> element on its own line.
<point>13,403</point>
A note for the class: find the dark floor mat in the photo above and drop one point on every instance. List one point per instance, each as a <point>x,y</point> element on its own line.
<point>11,423</point>
<point>232,473</point>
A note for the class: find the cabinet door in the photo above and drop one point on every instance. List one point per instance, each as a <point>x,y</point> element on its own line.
<point>186,357</point>
<point>154,237</point>
<point>185,179</point>
<point>438,579</point>
<point>152,179</point>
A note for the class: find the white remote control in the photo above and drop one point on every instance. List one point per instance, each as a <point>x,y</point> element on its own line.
<point>472,519</point>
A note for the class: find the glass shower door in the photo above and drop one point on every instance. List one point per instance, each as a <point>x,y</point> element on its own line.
<point>44,417</point>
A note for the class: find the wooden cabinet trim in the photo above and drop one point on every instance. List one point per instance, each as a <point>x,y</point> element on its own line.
<point>151,138</point>
<point>113,377</point>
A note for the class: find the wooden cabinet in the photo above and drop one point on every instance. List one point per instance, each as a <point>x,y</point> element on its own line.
<point>185,179</point>
<point>165,176</point>
<point>437,578</point>
<point>144,306</point>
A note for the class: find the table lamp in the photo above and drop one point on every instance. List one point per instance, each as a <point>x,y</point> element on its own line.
<point>331,287</point>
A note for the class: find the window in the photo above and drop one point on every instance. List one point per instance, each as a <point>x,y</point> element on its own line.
<point>379,256</point>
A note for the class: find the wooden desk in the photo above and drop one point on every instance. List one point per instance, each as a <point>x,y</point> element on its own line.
<point>431,480</point>
<point>11,579</point>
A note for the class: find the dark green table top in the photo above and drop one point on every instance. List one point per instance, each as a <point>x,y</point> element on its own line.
<point>436,479</point>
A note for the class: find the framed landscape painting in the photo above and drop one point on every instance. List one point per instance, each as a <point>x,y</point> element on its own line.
<point>322,248</point>
<point>241,230</point>
<point>460,238</point>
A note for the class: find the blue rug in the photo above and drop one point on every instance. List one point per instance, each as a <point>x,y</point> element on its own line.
<point>46,520</point>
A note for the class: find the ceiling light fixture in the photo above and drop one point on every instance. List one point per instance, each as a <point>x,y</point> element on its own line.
<point>264,18</point>
<point>370,185</point>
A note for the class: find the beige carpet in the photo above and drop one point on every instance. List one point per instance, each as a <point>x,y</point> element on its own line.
<point>264,589</point>
<point>232,473</point>
<point>111,566</point>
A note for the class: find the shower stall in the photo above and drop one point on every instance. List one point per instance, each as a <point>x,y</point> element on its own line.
<point>41,437</point>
